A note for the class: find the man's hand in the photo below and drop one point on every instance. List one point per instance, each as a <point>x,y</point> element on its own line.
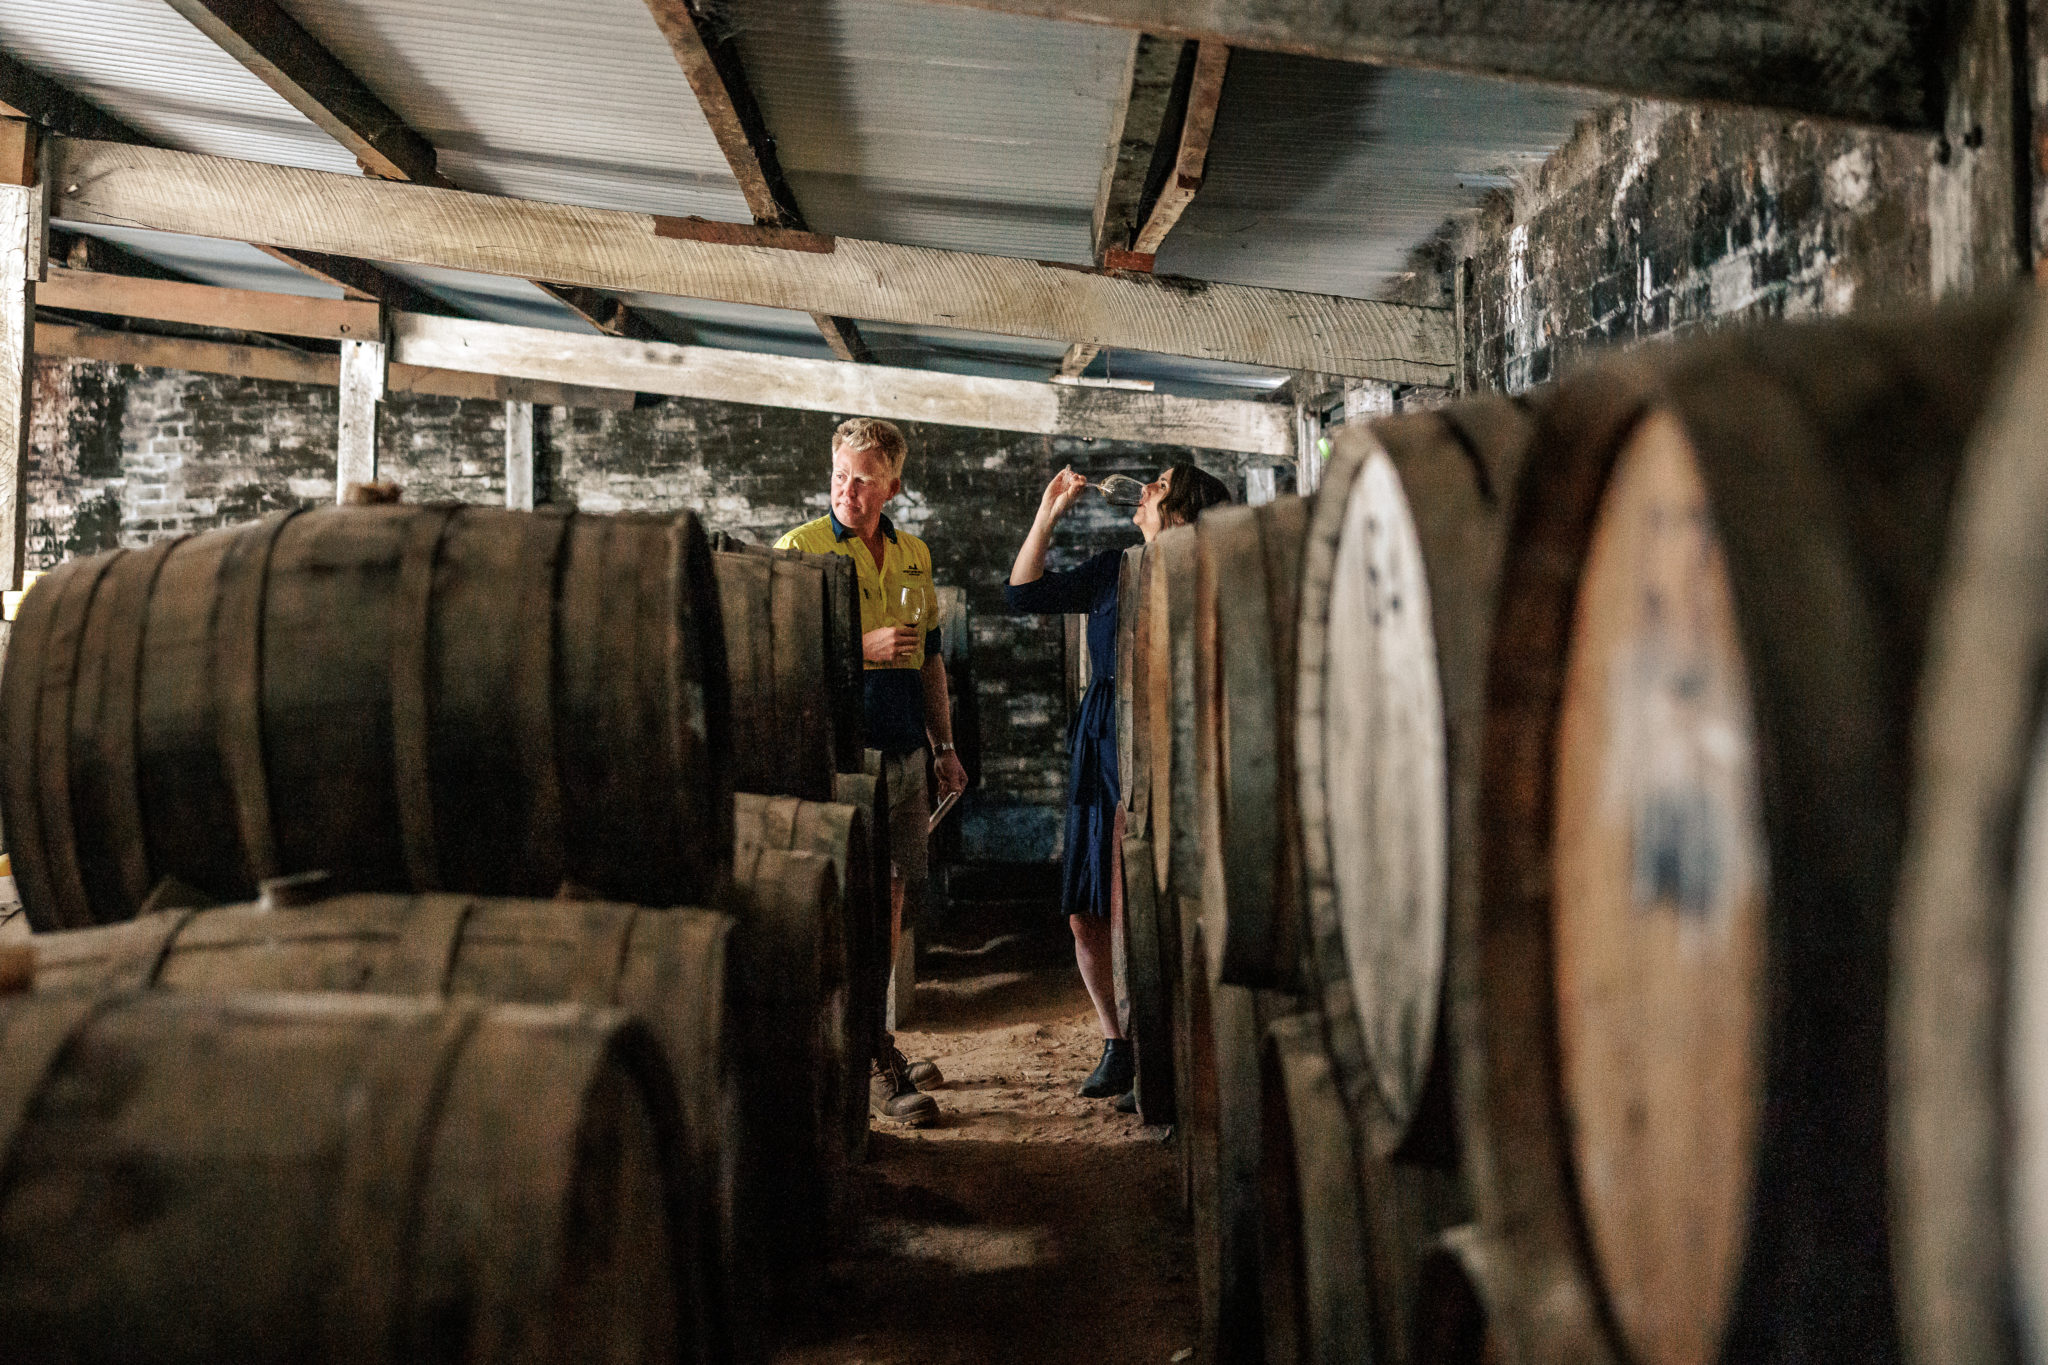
<point>952,776</point>
<point>890,644</point>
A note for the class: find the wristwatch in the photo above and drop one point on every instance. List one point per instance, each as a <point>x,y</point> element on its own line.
<point>946,748</point>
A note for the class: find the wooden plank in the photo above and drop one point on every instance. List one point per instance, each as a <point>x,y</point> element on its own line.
<point>313,81</point>
<point>1867,61</point>
<point>204,305</point>
<point>1078,358</point>
<point>834,386</point>
<point>1205,95</point>
<point>711,63</point>
<point>1140,126</point>
<point>518,455</point>
<point>56,341</point>
<point>21,230</point>
<point>362,393</point>
<point>1979,189</point>
<point>101,182</point>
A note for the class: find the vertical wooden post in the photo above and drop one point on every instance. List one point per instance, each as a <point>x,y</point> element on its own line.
<point>362,389</point>
<point>23,223</point>
<point>1979,190</point>
<point>518,455</point>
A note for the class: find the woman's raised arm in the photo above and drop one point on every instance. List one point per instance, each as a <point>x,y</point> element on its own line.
<point>1064,490</point>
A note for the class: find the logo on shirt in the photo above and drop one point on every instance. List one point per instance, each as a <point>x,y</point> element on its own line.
<point>912,571</point>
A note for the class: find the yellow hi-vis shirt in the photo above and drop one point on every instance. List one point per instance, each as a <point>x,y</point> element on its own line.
<point>895,692</point>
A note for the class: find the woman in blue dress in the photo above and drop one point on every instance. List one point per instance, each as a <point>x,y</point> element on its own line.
<point>1092,870</point>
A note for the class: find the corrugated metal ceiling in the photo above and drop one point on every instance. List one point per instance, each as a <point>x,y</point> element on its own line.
<point>579,104</point>
<point>936,126</point>
<point>141,62</point>
<point>1324,176</point>
<point>894,119</point>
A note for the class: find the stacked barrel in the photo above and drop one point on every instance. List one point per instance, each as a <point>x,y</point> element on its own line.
<point>402,988</point>
<point>1585,865</point>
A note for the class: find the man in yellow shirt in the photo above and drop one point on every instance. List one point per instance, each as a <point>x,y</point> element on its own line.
<point>907,705</point>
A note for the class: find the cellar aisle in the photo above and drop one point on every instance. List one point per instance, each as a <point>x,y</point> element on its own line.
<point>1030,1226</point>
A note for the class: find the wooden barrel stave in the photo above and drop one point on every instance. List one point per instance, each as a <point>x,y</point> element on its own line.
<point>1246,748</point>
<point>1818,490</point>
<point>403,1137</point>
<point>1147,936</point>
<point>273,667</point>
<point>776,613</point>
<point>1966,1150</point>
<point>1170,708</point>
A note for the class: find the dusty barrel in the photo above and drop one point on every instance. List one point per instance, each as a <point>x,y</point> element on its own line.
<point>409,698</point>
<point>1344,1236</point>
<point>277,1178</point>
<point>1169,677</point>
<point>844,668</point>
<point>1969,1135</point>
<point>1400,576</point>
<point>667,968</point>
<point>840,834</point>
<point>1246,604</point>
<point>1699,702</point>
<point>774,609</point>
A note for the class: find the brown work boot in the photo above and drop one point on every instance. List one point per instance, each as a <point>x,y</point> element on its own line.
<point>923,1074</point>
<point>893,1101</point>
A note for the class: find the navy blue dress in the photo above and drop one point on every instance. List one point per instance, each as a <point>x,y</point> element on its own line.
<point>1089,869</point>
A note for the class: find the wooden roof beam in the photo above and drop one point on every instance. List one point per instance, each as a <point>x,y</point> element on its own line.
<point>1158,153</point>
<point>1865,61</point>
<point>711,63</point>
<point>105,182</point>
<point>197,356</point>
<point>278,50</point>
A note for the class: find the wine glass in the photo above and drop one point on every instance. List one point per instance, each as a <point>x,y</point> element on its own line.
<point>910,606</point>
<point>1121,489</point>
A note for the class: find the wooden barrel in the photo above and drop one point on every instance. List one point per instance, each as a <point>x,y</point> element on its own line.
<point>775,614</point>
<point>273,1179</point>
<point>845,668</point>
<point>1344,1234</point>
<point>1969,1129</point>
<point>409,698</point>
<point>1399,584</point>
<point>1170,711</point>
<point>1246,603</point>
<point>1148,938</point>
<point>668,968</point>
<point>840,834</point>
<point>1711,626</point>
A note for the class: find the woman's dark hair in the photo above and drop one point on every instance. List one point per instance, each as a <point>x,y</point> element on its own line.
<point>1191,490</point>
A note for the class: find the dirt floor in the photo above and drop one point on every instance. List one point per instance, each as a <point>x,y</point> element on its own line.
<point>1028,1226</point>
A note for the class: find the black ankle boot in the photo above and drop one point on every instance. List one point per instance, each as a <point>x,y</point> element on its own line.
<point>1113,1074</point>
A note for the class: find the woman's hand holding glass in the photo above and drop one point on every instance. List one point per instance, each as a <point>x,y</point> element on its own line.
<point>1061,494</point>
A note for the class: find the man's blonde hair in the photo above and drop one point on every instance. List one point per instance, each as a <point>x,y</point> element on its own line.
<point>874,435</point>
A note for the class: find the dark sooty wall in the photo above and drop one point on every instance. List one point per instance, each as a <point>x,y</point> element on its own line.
<point>124,456</point>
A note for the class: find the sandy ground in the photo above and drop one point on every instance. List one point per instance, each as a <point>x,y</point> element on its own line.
<point>1029,1225</point>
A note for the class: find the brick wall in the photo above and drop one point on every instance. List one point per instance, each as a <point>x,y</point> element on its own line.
<point>122,456</point>
<point>1658,218</point>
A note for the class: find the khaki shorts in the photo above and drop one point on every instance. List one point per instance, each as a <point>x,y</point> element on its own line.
<point>909,809</point>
